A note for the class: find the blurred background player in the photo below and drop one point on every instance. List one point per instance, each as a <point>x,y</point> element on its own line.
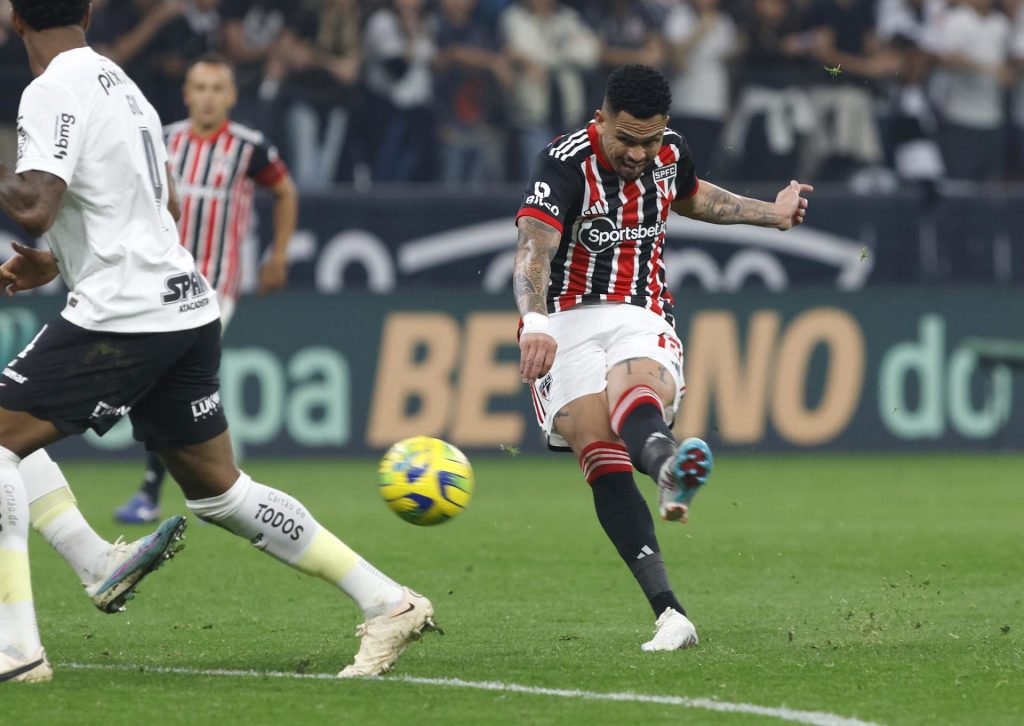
<point>216,165</point>
<point>598,341</point>
<point>140,336</point>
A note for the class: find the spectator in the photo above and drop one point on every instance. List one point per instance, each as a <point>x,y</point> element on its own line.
<point>840,34</point>
<point>629,33</point>
<point>968,89</point>
<point>324,56</point>
<point>251,30</point>
<point>129,33</point>
<point>14,76</point>
<point>703,40</point>
<point>550,49</point>
<point>469,79</point>
<point>399,54</point>
<point>773,116</point>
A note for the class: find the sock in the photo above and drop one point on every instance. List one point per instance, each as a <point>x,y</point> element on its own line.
<point>19,634</point>
<point>627,521</point>
<point>154,478</point>
<point>53,512</point>
<point>639,420</point>
<point>280,525</point>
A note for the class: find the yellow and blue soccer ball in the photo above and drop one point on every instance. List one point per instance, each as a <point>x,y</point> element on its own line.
<point>425,480</point>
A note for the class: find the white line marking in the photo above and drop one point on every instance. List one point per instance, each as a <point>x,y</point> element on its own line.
<point>816,718</point>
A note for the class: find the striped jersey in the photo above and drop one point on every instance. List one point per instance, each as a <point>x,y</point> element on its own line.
<point>216,177</point>
<point>613,231</point>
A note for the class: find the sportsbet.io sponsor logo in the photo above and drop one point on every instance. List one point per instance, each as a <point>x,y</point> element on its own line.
<point>542,191</point>
<point>599,234</point>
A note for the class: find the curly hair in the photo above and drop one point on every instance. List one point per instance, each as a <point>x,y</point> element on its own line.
<point>46,14</point>
<point>639,90</point>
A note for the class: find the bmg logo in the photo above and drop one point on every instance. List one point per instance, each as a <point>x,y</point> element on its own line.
<point>62,134</point>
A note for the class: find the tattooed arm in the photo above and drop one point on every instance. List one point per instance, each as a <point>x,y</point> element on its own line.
<point>538,243</point>
<point>720,206</point>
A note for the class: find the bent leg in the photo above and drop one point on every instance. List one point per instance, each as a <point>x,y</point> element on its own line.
<point>275,522</point>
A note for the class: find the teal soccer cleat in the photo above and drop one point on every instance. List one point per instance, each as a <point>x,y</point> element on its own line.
<point>129,562</point>
<point>681,478</point>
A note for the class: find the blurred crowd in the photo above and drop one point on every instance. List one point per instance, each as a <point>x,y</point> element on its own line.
<point>869,92</point>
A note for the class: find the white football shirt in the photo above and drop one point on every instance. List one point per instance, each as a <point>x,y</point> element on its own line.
<point>85,121</point>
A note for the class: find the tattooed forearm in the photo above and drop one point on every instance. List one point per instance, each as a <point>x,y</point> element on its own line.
<point>538,243</point>
<point>719,206</point>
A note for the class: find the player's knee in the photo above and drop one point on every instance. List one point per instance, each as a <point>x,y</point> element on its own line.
<point>600,458</point>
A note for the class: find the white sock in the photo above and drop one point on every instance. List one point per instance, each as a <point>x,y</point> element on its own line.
<point>280,525</point>
<point>19,634</point>
<point>54,514</point>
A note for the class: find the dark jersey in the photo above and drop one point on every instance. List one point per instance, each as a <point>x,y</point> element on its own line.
<point>613,231</point>
<point>216,178</point>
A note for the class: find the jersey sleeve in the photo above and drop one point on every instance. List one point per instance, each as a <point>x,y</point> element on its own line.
<point>553,193</point>
<point>687,182</point>
<point>51,130</point>
<point>266,167</point>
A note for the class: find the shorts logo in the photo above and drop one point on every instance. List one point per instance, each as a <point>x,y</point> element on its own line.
<point>14,375</point>
<point>105,410</point>
<point>545,387</point>
<point>600,234</point>
<point>206,406</point>
<point>184,287</point>
<point>62,134</point>
<point>541,191</point>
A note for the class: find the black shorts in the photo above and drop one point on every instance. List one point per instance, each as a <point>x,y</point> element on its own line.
<point>80,379</point>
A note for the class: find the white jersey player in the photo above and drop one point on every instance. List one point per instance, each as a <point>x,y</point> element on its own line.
<point>140,336</point>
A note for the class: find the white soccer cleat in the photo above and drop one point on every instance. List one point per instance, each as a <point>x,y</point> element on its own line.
<point>681,477</point>
<point>32,670</point>
<point>128,563</point>
<point>385,637</point>
<point>672,631</point>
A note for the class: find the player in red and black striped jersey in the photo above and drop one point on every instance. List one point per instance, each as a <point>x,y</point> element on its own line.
<point>597,340</point>
<point>217,165</point>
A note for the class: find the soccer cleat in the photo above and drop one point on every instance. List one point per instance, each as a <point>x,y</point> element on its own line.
<point>385,637</point>
<point>672,631</point>
<point>128,563</point>
<point>140,509</point>
<point>681,477</point>
<point>33,670</point>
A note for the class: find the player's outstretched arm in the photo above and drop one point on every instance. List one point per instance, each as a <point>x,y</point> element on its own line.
<point>274,272</point>
<point>538,243</point>
<point>720,206</point>
<point>32,199</point>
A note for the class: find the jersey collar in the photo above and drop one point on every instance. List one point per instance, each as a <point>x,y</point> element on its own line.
<point>595,144</point>
<point>211,137</point>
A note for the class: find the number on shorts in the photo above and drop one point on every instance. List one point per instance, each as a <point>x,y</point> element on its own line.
<point>31,345</point>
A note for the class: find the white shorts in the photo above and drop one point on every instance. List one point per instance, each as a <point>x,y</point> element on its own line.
<point>591,340</point>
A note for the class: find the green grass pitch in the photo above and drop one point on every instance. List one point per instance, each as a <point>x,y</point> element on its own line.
<point>883,588</point>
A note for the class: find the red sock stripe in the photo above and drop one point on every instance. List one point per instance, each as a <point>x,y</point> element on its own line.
<point>603,457</point>
<point>635,396</point>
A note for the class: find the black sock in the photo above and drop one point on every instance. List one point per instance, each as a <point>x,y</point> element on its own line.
<point>155,473</point>
<point>627,521</point>
<point>640,421</point>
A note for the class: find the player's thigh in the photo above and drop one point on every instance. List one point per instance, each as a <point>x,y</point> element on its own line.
<point>22,433</point>
<point>645,351</point>
<point>202,470</point>
<point>182,419</point>
<point>634,372</point>
<point>584,421</point>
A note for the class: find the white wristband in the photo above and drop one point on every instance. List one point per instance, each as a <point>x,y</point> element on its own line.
<point>535,323</point>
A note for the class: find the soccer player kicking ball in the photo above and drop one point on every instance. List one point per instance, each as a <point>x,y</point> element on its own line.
<point>140,335</point>
<point>597,342</point>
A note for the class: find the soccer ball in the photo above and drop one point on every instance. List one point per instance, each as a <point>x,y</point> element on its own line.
<point>425,481</point>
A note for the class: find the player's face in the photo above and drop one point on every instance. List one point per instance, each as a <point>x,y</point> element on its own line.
<point>209,94</point>
<point>629,144</point>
